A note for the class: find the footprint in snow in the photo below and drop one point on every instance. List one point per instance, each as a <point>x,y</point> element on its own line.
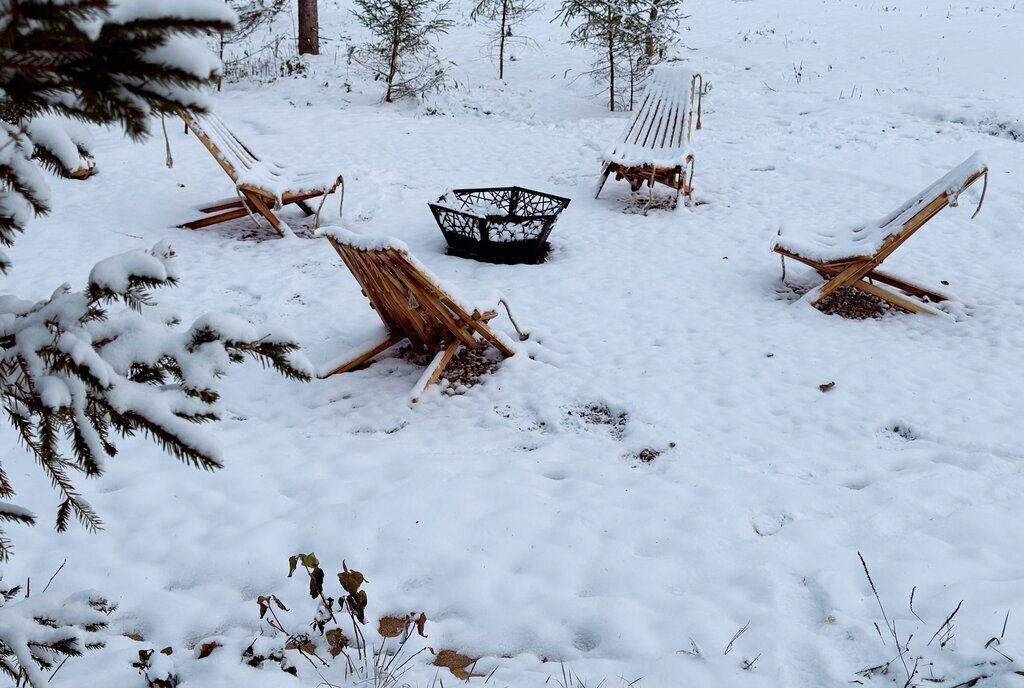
<point>766,524</point>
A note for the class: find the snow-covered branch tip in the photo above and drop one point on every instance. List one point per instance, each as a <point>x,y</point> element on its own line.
<point>38,633</point>
<point>72,374</point>
<point>66,63</point>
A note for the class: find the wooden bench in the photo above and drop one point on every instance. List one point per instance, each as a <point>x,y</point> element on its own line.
<point>655,147</point>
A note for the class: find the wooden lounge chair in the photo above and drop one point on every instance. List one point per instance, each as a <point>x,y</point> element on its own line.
<point>655,147</point>
<point>262,185</point>
<point>412,305</point>
<point>851,258</point>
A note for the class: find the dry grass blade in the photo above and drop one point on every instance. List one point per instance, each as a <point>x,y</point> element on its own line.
<point>735,637</point>
<point>946,623</point>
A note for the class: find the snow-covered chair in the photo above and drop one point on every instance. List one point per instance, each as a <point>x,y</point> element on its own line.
<point>262,185</point>
<point>412,304</point>
<point>655,147</point>
<point>850,258</point>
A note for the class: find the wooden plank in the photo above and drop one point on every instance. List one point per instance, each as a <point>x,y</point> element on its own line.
<point>364,356</point>
<point>909,287</point>
<point>216,219</point>
<point>909,304</point>
<point>433,372</point>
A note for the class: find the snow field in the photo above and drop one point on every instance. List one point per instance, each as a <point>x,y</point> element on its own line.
<point>521,529</point>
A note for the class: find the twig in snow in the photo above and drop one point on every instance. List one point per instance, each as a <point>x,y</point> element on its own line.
<point>59,568</point>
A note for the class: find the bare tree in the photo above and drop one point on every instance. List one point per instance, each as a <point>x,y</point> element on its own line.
<point>309,28</point>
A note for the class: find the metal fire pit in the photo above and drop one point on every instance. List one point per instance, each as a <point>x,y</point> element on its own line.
<point>500,225</point>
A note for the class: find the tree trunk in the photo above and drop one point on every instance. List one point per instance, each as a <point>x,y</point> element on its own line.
<point>611,70</point>
<point>649,41</point>
<point>309,28</point>
<point>501,44</point>
<point>392,62</point>
<point>220,56</point>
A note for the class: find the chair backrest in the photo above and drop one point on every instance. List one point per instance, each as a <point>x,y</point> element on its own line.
<point>877,240</point>
<point>236,158</point>
<point>406,296</point>
<point>663,125</point>
<point>913,214</point>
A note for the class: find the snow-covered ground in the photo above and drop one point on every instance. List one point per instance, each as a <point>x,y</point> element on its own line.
<point>529,535</point>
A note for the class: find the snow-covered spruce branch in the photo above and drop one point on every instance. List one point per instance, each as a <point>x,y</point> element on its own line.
<point>38,633</point>
<point>66,62</point>
<point>72,374</point>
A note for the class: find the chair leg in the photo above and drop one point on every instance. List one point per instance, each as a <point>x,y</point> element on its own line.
<point>363,357</point>
<point>604,178</point>
<point>433,372</point>
<point>847,278</point>
<point>264,210</point>
<point>305,208</point>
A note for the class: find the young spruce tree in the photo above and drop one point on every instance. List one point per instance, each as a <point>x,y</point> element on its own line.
<point>627,36</point>
<point>503,16</point>
<point>401,52</point>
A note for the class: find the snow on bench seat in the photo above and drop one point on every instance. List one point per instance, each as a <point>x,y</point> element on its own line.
<point>659,134</point>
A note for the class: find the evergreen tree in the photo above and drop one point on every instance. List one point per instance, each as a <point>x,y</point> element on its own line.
<point>74,371</point>
<point>401,52</point>
<point>628,36</point>
<point>503,16</point>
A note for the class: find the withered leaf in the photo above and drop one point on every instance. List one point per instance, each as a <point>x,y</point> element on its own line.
<point>391,626</point>
<point>351,580</point>
<point>337,641</point>
<point>357,604</point>
<point>303,644</point>
<point>206,649</point>
<point>316,582</point>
